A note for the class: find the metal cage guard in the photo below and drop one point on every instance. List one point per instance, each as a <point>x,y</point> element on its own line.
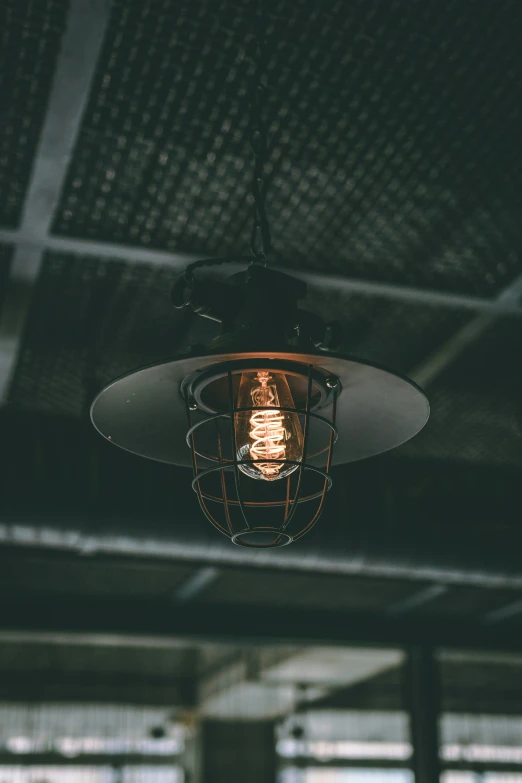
<point>233,496</point>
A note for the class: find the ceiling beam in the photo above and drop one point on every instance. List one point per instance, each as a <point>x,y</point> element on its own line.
<point>73,540</point>
<point>483,658</point>
<point>417,599</point>
<point>121,641</point>
<point>506,612</point>
<point>236,624</point>
<point>87,247</point>
<point>428,370</point>
<point>410,294</point>
<point>390,291</point>
<point>196,584</point>
<point>86,24</point>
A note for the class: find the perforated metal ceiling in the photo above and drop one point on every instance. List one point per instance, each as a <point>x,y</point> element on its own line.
<point>394,130</point>
<point>394,133</point>
<point>397,334</point>
<point>103,317</point>
<point>31,34</point>
<point>477,404</point>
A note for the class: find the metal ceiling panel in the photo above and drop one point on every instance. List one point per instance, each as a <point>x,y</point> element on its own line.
<point>31,33</point>
<point>104,318</point>
<point>393,128</point>
<point>101,317</point>
<point>396,334</point>
<point>476,411</point>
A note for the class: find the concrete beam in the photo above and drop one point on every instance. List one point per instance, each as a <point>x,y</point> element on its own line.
<point>88,247</point>
<point>121,641</point>
<point>86,24</point>
<point>506,612</point>
<point>418,599</point>
<point>196,584</point>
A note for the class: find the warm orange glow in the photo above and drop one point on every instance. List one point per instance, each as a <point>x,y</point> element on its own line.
<point>267,430</point>
<point>267,435</point>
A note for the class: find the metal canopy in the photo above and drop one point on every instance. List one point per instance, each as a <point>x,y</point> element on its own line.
<point>144,413</point>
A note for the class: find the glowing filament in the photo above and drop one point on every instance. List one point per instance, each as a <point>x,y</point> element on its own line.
<point>269,443</point>
<point>267,430</point>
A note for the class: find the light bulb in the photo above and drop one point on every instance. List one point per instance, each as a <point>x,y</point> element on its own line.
<point>267,435</point>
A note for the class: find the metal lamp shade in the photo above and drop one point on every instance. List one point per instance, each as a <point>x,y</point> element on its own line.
<point>183,412</point>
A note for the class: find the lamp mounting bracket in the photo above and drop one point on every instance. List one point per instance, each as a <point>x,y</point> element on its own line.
<point>257,308</point>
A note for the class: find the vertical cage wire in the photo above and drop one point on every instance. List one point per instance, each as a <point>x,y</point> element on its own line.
<point>236,502</point>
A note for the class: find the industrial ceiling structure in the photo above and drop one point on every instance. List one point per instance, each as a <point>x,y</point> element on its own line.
<point>395,191</point>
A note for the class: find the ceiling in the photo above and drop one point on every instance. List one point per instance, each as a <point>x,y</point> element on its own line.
<point>394,186</point>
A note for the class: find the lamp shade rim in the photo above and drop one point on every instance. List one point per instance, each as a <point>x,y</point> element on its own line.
<point>144,411</point>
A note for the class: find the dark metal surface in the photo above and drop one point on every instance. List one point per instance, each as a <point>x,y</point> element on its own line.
<point>234,623</point>
<point>394,137</point>
<point>143,413</point>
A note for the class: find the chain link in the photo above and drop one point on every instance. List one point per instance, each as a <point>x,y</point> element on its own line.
<point>258,142</point>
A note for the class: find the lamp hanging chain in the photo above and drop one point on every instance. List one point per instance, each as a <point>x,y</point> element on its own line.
<point>258,142</point>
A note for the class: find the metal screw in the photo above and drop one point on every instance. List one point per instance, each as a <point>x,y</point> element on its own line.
<point>331,383</point>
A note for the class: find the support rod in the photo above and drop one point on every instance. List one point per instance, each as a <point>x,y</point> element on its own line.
<point>422,691</point>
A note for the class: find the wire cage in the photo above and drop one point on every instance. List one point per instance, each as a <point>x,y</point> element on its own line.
<point>224,398</point>
<point>285,505</point>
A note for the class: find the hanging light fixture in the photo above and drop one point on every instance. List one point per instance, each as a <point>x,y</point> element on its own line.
<point>257,413</point>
